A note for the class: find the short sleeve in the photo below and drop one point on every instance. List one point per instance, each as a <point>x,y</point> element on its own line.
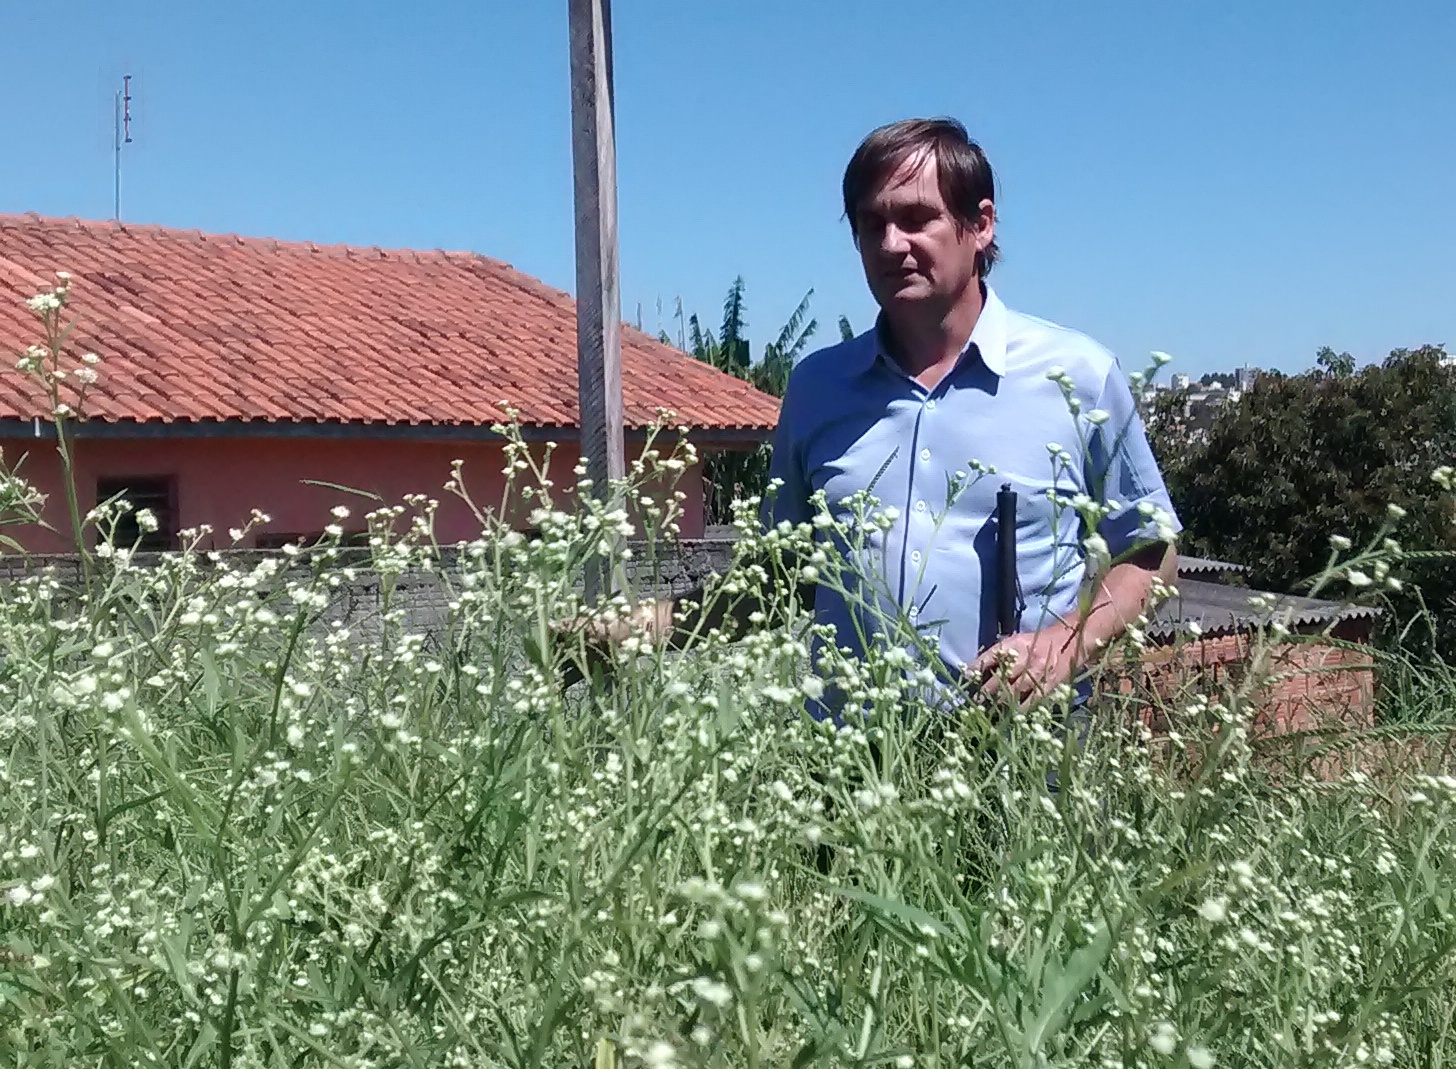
<point>1123,473</point>
<point>791,501</point>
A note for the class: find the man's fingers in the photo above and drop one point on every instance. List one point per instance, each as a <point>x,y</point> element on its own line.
<point>982,664</point>
<point>1029,685</point>
<point>998,674</point>
<point>1020,666</point>
<point>1001,655</point>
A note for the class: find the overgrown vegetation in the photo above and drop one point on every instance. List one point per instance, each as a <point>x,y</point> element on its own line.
<point>1302,458</point>
<point>238,829</point>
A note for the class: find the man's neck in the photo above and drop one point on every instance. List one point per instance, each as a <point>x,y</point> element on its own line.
<point>927,344</point>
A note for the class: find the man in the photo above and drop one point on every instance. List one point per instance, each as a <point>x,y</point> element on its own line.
<point>950,381</point>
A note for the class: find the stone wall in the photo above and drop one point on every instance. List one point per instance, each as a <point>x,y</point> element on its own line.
<point>675,569</point>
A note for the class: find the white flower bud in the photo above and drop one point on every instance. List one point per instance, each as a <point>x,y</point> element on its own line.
<point>1164,1039</point>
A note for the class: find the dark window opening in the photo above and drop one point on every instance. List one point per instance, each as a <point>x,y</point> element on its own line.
<point>155,495</point>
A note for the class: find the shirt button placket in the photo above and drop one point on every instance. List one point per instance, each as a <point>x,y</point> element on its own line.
<point>920,505</point>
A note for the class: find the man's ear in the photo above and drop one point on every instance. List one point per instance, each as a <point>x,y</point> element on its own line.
<point>985,229</point>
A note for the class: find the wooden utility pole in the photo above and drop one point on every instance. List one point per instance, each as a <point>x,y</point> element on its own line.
<point>598,295</point>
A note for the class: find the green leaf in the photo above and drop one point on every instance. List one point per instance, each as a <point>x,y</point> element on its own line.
<point>1062,985</point>
<point>203,1045</point>
<point>211,683</point>
<point>909,916</point>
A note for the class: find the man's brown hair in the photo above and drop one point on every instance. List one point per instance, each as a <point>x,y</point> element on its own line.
<point>964,172</point>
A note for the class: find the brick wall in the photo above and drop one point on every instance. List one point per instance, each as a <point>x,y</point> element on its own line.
<point>1310,681</point>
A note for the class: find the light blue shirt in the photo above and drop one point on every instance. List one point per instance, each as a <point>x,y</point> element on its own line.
<point>852,420</point>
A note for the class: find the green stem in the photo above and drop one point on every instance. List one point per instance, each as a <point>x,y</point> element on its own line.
<point>229,1021</point>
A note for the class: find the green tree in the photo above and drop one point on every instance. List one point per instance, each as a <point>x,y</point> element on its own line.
<point>733,473</point>
<point>1303,457</point>
<point>1333,363</point>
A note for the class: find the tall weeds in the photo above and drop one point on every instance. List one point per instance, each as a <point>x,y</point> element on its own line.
<point>240,827</point>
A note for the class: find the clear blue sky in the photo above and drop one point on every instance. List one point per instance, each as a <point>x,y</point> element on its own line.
<point>1232,181</point>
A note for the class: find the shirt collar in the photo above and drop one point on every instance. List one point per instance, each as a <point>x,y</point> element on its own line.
<point>988,336</point>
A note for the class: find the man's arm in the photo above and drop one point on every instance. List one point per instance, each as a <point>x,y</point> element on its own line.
<point>657,616</point>
<point>1045,659</point>
<point>1125,593</point>
<point>1119,467</point>
<point>656,620</point>
<point>734,614</point>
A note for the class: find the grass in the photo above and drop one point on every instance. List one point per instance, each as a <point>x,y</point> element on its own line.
<point>239,828</point>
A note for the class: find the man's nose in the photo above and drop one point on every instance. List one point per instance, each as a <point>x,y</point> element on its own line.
<point>893,241</point>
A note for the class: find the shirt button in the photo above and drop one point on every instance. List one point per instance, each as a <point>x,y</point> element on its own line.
<point>925,454</point>
<point>915,557</point>
<point>930,403</point>
<point>920,506</point>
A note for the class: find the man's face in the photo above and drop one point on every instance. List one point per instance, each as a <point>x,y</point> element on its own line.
<point>915,253</point>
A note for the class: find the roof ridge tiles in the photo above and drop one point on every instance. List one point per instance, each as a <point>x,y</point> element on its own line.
<point>272,244</point>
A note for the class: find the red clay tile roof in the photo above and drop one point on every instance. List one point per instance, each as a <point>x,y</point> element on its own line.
<point>194,327</point>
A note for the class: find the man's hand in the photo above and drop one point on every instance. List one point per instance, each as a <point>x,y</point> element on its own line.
<point>599,640</point>
<point>1027,665</point>
<point>1037,662</point>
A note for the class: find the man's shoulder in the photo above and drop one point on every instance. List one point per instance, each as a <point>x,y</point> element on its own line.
<point>1038,341</point>
<point>820,383</point>
<point>832,361</point>
<point>827,368</point>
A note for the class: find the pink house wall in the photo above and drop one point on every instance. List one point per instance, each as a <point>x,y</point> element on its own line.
<point>220,480</point>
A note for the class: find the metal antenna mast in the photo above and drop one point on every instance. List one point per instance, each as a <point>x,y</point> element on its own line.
<point>123,133</point>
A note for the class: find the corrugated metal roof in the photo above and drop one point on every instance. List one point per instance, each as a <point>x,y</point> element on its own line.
<point>1206,566</point>
<point>1220,609</point>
